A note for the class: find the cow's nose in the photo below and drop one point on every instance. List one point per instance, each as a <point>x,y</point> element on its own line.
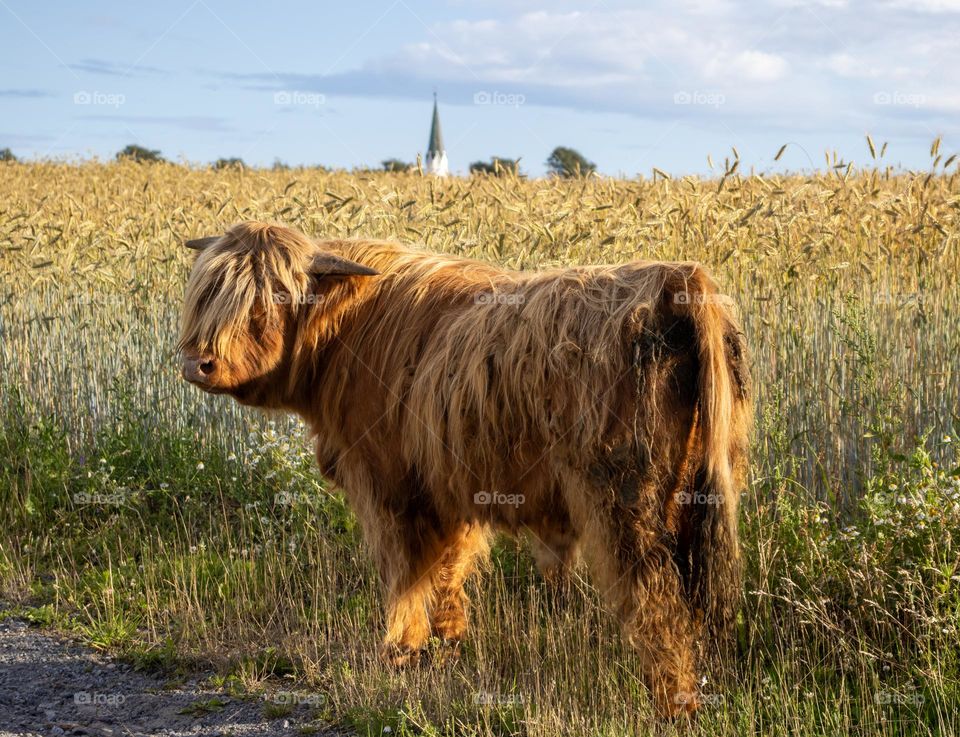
<point>199,369</point>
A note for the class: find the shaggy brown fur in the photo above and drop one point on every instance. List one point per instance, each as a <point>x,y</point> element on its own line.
<point>600,408</point>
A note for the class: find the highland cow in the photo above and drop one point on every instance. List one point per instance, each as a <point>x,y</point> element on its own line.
<point>600,410</point>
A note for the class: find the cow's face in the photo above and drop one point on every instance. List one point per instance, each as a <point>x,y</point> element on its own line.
<point>243,306</point>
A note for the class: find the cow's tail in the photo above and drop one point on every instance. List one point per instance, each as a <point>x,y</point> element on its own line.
<point>723,419</point>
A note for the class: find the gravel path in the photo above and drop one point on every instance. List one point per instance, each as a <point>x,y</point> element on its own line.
<point>51,686</point>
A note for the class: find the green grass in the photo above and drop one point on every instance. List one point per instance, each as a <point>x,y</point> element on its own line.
<point>850,622</point>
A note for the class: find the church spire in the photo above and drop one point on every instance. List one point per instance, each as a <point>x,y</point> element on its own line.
<point>436,153</point>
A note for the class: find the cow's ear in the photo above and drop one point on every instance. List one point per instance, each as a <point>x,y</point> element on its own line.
<point>198,244</point>
<point>328,264</point>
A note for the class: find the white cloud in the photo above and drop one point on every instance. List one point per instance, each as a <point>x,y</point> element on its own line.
<point>847,65</point>
<point>927,6</point>
<point>756,66</point>
<point>829,4</point>
<point>787,63</point>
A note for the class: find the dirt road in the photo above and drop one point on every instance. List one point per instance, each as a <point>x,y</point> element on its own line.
<point>50,686</point>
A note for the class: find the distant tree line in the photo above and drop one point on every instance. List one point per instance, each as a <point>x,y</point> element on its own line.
<point>396,165</point>
<point>133,152</point>
<point>231,163</point>
<point>563,162</point>
<point>498,166</point>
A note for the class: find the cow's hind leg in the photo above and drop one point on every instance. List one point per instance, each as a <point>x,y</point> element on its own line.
<point>629,556</point>
<point>450,602</point>
<point>554,544</point>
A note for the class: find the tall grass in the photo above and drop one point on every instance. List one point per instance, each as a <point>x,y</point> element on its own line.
<point>172,527</point>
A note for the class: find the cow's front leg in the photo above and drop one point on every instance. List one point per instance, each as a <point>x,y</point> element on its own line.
<point>408,554</point>
<point>405,538</point>
<point>408,622</point>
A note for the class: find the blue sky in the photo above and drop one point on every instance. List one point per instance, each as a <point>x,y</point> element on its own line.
<point>630,85</point>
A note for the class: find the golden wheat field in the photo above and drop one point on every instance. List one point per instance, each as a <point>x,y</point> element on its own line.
<point>176,529</point>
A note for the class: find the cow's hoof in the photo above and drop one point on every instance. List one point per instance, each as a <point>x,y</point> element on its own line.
<point>447,650</point>
<point>400,656</point>
<point>683,707</point>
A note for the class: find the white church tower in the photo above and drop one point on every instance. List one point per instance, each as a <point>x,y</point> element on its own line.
<point>436,162</point>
